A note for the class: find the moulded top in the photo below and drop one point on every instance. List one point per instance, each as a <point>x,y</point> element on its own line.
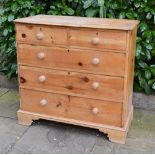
<point>87,22</point>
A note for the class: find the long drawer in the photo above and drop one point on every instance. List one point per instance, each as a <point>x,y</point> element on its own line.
<point>95,111</point>
<point>107,63</point>
<point>73,83</point>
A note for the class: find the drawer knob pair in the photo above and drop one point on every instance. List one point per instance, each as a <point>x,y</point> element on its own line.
<point>41,55</point>
<point>95,61</point>
<point>43,102</point>
<point>42,78</point>
<point>95,110</point>
<point>95,41</point>
<point>40,36</point>
<point>95,85</point>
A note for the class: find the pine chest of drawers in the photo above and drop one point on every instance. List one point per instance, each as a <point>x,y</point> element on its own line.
<point>77,70</point>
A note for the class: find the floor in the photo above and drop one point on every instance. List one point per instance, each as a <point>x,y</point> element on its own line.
<point>51,137</point>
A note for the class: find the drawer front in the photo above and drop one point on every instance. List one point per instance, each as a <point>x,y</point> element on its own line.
<point>95,111</point>
<point>108,39</point>
<point>76,84</point>
<point>75,59</point>
<point>40,34</point>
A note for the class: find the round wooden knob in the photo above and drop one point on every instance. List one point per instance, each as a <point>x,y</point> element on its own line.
<point>41,55</point>
<point>40,36</point>
<point>95,61</point>
<point>95,111</point>
<point>43,102</point>
<point>95,41</point>
<point>42,78</point>
<point>95,85</point>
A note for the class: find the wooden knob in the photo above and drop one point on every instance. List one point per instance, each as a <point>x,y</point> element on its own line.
<point>42,78</point>
<point>95,111</point>
<point>41,55</point>
<point>95,61</point>
<point>43,102</point>
<point>40,36</point>
<point>95,85</point>
<point>95,41</point>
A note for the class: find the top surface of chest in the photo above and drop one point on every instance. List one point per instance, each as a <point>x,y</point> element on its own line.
<point>71,21</point>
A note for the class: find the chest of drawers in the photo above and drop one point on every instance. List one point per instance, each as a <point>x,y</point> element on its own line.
<point>77,70</point>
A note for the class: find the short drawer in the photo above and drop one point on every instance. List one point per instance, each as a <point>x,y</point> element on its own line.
<point>63,106</point>
<point>107,63</point>
<point>108,39</point>
<point>73,83</point>
<point>40,34</point>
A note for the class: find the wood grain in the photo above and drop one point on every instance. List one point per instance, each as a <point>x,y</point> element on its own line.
<point>115,134</point>
<point>77,70</point>
<point>50,35</point>
<point>108,39</point>
<point>110,88</point>
<point>83,22</point>
<point>72,107</point>
<point>129,72</point>
<point>72,59</point>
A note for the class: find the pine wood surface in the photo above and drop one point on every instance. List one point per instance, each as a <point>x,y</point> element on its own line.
<point>115,134</point>
<point>72,21</point>
<point>50,35</point>
<point>72,59</point>
<point>72,107</point>
<point>75,71</point>
<point>108,39</point>
<point>110,88</point>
